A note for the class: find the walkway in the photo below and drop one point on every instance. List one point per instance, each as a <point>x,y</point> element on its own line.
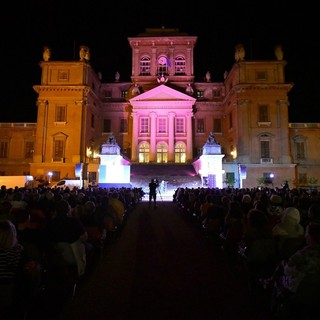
<point>161,267</point>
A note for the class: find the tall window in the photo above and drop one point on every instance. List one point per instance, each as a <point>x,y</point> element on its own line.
<point>58,150</point>
<point>162,125</point>
<point>162,68</point>
<point>263,113</point>
<point>180,153</point>
<point>200,125</point>
<point>300,150</point>
<point>144,125</point>
<point>162,153</point>
<point>60,115</point>
<point>106,125</point>
<point>265,149</point>
<point>145,66</point>
<point>123,125</point>
<point>217,125</point>
<point>300,147</point>
<point>144,151</point>
<point>180,65</point>
<point>28,149</point>
<point>4,147</point>
<point>180,125</point>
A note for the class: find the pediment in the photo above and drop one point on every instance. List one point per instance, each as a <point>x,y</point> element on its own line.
<point>163,93</point>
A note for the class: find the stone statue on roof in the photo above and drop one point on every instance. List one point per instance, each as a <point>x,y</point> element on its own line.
<point>46,53</point>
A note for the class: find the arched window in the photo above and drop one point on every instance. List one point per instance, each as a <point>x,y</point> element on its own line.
<point>162,152</point>
<point>144,151</point>
<point>145,62</point>
<point>162,68</point>
<point>179,65</point>
<point>180,153</point>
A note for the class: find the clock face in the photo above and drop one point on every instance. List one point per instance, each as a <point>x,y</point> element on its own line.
<point>162,60</point>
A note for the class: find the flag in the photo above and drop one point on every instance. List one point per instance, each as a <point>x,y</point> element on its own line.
<point>168,61</point>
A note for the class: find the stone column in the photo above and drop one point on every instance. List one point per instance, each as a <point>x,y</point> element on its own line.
<point>189,136</point>
<point>170,56</point>
<point>153,128</point>
<point>171,116</point>
<point>134,142</point>
<point>154,62</point>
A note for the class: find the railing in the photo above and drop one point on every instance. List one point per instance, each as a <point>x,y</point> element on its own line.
<point>18,124</point>
<point>266,160</point>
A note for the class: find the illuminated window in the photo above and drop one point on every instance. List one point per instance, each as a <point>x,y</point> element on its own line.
<point>162,153</point>
<point>200,94</point>
<point>162,125</point>
<point>106,125</point>
<point>145,66</point>
<point>124,94</point>
<point>123,125</point>
<point>200,125</point>
<point>180,153</point>
<point>4,147</point>
<point>180,65</point>
<point>29,148</point>
<point>144,125</point>
<point>180,125</point>
<point>263,113</point>
<point>144,150</point>
<point>58,150</point>
<point>60,113</point>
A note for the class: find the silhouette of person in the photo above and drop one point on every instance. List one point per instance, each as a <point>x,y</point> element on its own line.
<point>153,185</point>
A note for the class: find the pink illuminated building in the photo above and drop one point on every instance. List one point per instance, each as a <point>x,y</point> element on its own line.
<point>163,116</point>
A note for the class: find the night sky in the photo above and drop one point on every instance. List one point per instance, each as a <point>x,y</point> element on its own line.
<point>105,27</point>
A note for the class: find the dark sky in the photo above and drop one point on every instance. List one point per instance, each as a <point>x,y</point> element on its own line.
<point>104,27</point>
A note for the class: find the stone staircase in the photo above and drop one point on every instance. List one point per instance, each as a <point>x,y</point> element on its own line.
<point>172,175</point>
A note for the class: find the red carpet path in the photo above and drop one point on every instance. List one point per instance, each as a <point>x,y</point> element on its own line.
<point>161,267</point>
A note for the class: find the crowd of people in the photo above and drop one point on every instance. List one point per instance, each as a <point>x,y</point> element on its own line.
<point>272,234</point>
<point>51,238</point>
<point>275,233</point>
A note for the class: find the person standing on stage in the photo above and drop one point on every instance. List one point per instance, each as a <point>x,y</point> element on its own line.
<point>153,185</point>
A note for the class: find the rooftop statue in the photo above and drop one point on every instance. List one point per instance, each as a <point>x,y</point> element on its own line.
<point>46,54</point>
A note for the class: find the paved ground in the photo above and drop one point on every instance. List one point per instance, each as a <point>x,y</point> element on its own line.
<point>161,267</point>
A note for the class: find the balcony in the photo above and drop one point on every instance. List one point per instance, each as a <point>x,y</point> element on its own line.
<point>266,160</point>
<point>56,159</point>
